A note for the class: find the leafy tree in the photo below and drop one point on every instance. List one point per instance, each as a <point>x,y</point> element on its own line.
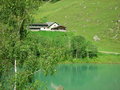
<point>17,47</point>
<point>78,45</point>
<point>81,48</point>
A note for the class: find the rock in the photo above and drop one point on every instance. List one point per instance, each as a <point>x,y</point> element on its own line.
<point>115,37</point>
<point>65,16</point>
<point>116,8</point>
<point>55,87</point>
<point>60,88</point>
<point>84,7</point>
<point>118,20</point>
<point>98,21</point>
<point>87,20</point>
<point>96,38</point>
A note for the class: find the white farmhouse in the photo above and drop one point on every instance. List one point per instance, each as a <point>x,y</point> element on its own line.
<point>48,26</point>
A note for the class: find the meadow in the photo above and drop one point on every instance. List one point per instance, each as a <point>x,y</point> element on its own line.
<point>86,18</point>
<point>49,34</point>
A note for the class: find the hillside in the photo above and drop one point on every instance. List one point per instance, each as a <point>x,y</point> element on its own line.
<point>88,18</point>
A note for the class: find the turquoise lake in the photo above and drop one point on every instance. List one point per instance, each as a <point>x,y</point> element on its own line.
<point>83,77</point>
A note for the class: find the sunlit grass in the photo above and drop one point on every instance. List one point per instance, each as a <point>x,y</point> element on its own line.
<point>86,18</point>
<point>49,34</point>
<point>101,59</point>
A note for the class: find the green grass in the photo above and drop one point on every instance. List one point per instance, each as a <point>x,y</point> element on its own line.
<point>101,59</point>
<point>86,18</point>
<point>49,34</point>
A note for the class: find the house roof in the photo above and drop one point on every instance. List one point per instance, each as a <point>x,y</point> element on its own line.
<point>48,24</point>
<point>60,26</point>
<point>37,24</point>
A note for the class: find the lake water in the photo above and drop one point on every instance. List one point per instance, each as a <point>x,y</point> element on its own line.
<point>84,77</point>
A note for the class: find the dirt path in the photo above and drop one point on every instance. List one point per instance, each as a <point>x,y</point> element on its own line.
<point>106,52</point>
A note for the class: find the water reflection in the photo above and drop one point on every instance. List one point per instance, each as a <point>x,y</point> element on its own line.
<point>83,77</point>
<point>57,87</point>
<point>75,73</point>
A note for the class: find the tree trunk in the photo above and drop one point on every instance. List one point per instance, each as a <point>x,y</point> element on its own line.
<point>15,70</point>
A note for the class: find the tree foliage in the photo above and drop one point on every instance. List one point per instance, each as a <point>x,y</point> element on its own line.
<point>16,44</point>
<point>81,48</point>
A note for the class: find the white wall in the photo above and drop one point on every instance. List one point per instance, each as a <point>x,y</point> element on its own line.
<point>44,28</point>
<point>54,25</point>
<point>34,29</point>
<point>48,29</point>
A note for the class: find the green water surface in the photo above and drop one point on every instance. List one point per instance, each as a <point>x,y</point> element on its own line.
<point>84,77</point>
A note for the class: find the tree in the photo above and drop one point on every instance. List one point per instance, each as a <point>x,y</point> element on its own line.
<point>17,49</point>
<point>81,48</point>
<point>78,45</point>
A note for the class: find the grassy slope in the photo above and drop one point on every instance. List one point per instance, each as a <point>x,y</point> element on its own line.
<point>49,34</point>
<point>86,18</point>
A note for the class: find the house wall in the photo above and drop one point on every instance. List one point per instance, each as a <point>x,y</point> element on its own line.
<point>54,25</point>
<point>49,28</point>
<point>45,28</point>
<point>40,28</point>
<point>35,29</point>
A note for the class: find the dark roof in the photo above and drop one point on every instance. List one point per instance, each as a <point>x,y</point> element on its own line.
<point>44,24</point>
<point>60,26</point>
<point>34,28</point>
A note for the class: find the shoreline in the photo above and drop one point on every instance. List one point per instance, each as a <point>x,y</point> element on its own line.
<point>101,59</point>
<point>88,63</point>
